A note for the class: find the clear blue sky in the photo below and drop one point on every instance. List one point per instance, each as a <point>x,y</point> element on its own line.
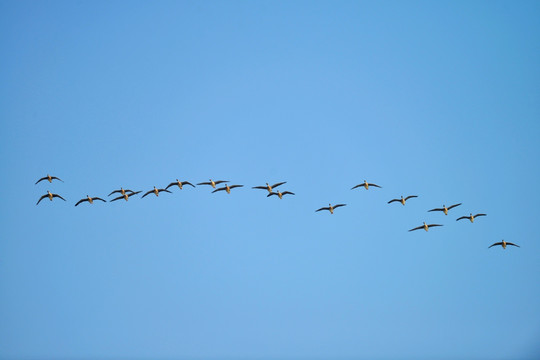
<point>436,99</point>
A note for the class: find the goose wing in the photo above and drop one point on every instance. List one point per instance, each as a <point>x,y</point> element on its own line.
<point>58,196</point>
<point>339,205</point>
<point>374,185</point>
<point>477,215</point>
<point>220,181</point>
<point>115,191</point>
<point>509,243</point>
<point>57,178</point>
<point>323,208</point>
<point>280,183</point>
<point>205,183</point>
<point>260,187</point>
<point>410,197</point>
<point>118,198</point>
<point>497,243</point>
<point>287,192</point>
<point>187,183</point>
<point>43,178</point>
<point>436,209</point>
<point>41,198</point>
<point>146,193</point>
<point>357,186</point>
<point>391,201</point>
<point>80,201</point>
<point>462,217</point>
<point>220,189</point>
<point>160,190</point>
<point>272,193</point>
<point>417,228</point>
<point>98,198</point>
<point>453,206</point>
<point>235,186</point>
<point>171,184</point>
<point>433,225</point>
<point>135,193</point>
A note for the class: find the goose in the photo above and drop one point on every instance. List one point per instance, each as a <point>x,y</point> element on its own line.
<point>280,194</point>
<point>269,187</point>
<point>503,244</point>
<point>50,196</point>
<point>49,178</point>
<point>366,185</point>
<point>331,208</point>
<point>470,217</point>
<point>227,188</point>
<point>179,184</point>
<point>89,199</point>
<point>425,226</point>
<point>213,183</point>
<point>402,200</point>
<point>155,191</point>
<point>445,209</point>
<point>125,196</point>
<point>121,191</point>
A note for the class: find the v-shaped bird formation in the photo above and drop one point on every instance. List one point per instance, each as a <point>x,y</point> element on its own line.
<point>271,189</point>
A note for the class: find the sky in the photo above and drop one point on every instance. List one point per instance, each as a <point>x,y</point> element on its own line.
<point>435,99</point>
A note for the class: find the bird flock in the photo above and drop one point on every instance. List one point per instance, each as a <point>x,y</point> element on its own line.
<point>126,194</point>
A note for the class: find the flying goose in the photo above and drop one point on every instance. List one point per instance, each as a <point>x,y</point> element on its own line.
<point>503,244</point>
<point>280,194</point>
<point>89,199</point>
<point>121,191</point>
<point>125,196</point>
<point>366,185</point>
<point>425,226</point>
<point>470,217</point>
<point>330,208</point>
<point>269,187</point>
<point>179,184</point>
<point>213,183</point>
<point>402,200</point>
<point>49,178</point>
<point>50,196</point>
<point>155,191</point>
<point>445,209</point>
<point>227,188</point>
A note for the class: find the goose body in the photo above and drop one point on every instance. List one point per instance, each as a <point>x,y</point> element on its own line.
<point>365,184</point>
<point>49,178</point>
<point>425,226</point>
<point>331,208</point>
<point>445,209</point>
<point>156,191</point>
<point>89,199</point>
<point>503,244</point>
<point>125,196</point>
<point>50,196</point>
<point>227,188</point>
<point>213,183</point>
<point>471,217</point>
<point>179,183</point>
<point>402,200</point>
<point>280,194</point>
<point>269,187</point>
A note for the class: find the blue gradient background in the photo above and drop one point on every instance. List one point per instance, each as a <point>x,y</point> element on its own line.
<point>438,99</point>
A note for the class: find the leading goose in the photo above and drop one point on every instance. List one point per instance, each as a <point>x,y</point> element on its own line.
<point>503,244</point>
<point>331,208</point>
<point>402,200</point>
<point>425,226</point>
<point>49,178</point>
<point>89,199</point>
<point>366,185</point>
<point>50,196</point>
<point>470,217</point>
<point>445,209</point>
